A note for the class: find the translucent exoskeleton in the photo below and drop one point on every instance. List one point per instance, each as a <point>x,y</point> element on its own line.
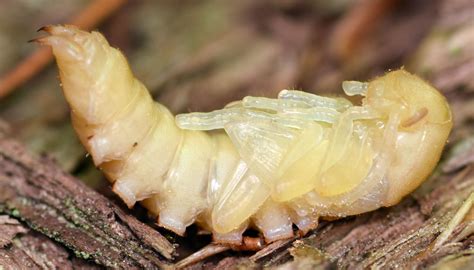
<point>266,163</point>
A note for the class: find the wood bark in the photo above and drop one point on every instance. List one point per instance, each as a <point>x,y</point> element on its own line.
<point>22,248</point>
<point>37,193</point>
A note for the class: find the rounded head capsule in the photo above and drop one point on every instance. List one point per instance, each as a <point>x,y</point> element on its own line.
<point>424,124</point>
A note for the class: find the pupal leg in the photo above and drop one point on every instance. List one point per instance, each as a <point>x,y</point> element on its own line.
<point>352,88</point>
<point>219,119</point>
<point>342,133</point>
<point>272,104</point>
<point>207,121</point>
<point>297,109</point>
<point>312,100</point>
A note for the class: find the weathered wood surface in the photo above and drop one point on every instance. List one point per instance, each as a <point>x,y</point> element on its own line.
<point>53,203</point>
<point>22,248</point>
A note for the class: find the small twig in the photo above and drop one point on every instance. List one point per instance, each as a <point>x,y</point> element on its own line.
<point>457,218</point>
<point>359,21</point>
<point>248,244</point>
<point>205,252</point>
<point>56,205</point>
<point>88,18</point>
<point>270,248</point>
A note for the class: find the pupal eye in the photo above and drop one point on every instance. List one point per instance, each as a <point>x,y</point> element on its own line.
<point>415,119</point>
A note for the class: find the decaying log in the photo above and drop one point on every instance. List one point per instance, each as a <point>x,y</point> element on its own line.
<point>37,193</point>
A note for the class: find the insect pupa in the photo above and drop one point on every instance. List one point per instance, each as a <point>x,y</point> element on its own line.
<point>265,163</point>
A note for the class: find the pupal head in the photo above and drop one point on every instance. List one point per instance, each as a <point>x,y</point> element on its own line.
<point>423,124</point>
<point>414,100</point>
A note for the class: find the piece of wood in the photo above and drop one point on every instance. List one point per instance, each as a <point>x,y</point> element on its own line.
<point>22,248</point>
<point>37,193</point>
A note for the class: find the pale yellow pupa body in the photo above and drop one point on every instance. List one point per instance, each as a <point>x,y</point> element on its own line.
<point>260,162</point>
